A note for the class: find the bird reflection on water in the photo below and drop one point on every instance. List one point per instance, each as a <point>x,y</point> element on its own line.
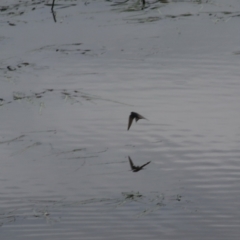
<point>136,168</point>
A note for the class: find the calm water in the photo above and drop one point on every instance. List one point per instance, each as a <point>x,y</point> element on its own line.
<point>67,89</point>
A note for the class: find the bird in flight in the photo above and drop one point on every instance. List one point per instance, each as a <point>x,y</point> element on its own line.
<point>136,168</point>
<point>132,116</point>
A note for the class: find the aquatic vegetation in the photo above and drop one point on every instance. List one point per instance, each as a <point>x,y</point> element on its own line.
<point>27,147</point>
<point>87,201</point>
<point>72,96</point>
<point>148,203</point>
<point>131,195</point>
<point>72,48</point>
<point>13,140</point>
<point>44,214</point>
<point>7,217</point>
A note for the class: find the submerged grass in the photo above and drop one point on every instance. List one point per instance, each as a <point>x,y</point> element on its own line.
<point>26,148</point>
<point>13,140</point>
<point>72,96</point>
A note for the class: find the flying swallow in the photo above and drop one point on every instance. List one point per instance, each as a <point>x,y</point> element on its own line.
<point>136,168</point>
<point>132,116</point>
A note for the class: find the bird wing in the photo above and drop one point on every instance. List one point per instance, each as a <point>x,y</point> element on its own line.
<point>130,119</point>
<point>131,163</point>
<point>139,117</point>
<point>145,164</point>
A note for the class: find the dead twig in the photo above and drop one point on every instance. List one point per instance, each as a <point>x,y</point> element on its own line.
<point>52,5</point>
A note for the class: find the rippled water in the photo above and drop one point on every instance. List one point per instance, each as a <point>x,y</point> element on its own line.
<point>67,89</point>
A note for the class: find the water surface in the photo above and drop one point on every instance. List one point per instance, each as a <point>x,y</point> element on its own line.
<point>67,89</point>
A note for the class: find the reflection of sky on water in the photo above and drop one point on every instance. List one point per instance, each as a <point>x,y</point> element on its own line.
<point>67,89</point>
